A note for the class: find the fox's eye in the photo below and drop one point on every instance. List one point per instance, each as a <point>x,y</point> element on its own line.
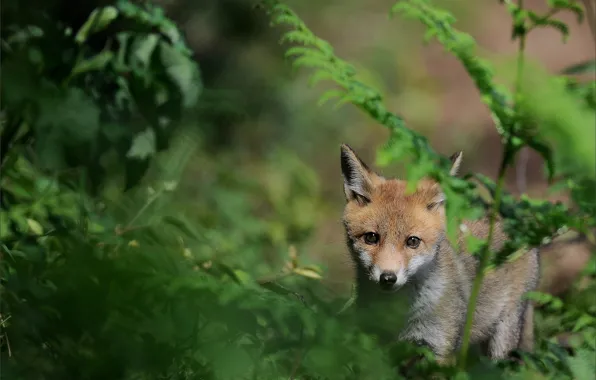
<point>413,242</point>
<point>371,238</point>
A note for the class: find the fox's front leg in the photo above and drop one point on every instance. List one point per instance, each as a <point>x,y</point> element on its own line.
<point>445,360</point>
<point>436,341</point>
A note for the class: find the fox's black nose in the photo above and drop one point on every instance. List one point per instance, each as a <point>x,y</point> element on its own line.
<point>388,279</point>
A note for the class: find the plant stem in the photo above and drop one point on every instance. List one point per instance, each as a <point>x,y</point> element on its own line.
<point>522,165</point>
<point>273,278</point>
<point>484,261</point>
<point>520,61</point>
<point>8,134</point>
<point>487,252</point>
<point>149,202</point>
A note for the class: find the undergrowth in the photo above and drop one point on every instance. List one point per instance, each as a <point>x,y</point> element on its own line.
<point>109,272</point>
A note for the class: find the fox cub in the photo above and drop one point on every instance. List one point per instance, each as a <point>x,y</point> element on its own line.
<point>398,242</point>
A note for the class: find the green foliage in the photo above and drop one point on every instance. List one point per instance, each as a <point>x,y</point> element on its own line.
<point>99,283</point>
<point>526,20</point>
<point>118,99</point>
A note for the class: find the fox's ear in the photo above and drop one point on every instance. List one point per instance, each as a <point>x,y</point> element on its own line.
<point>455,162</point>
<point>437,200</point>
<point>356,175</point>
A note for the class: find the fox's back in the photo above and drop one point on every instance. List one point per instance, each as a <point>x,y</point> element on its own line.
<point>517,268</point>
<point>503,286</point>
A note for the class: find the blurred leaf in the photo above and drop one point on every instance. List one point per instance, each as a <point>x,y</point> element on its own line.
<point>587,67</point>
<point>243,277</point>
<point>70,115</point>
<point>97,62</point>
<point>555,24</point>
<point>143,47</point>
<point>5,231</point>
<point>181,225</point>
<point>143,145</point>
<point>583,365</point>
<point>545,299</point>
<point>305,272</point>
<point>183,72</point>
<point>231,362</point>
<point>35,227</point>
<point>98,20</point>
<point>569,5</point>
<point>561,120</point>
<point>583,321</point>
<point>546,153</point>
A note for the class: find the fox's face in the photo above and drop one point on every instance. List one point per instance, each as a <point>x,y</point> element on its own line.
<point>393,235</point>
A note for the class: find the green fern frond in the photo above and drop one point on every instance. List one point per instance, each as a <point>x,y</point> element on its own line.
<point>317,53</point>
<point>462,45</point>
<point>299,50</point>
<point>328,95</point>
<point>320,76</point>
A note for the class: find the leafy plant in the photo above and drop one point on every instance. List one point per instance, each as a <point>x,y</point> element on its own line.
<point>78,104</point>
<point>206,279</point>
